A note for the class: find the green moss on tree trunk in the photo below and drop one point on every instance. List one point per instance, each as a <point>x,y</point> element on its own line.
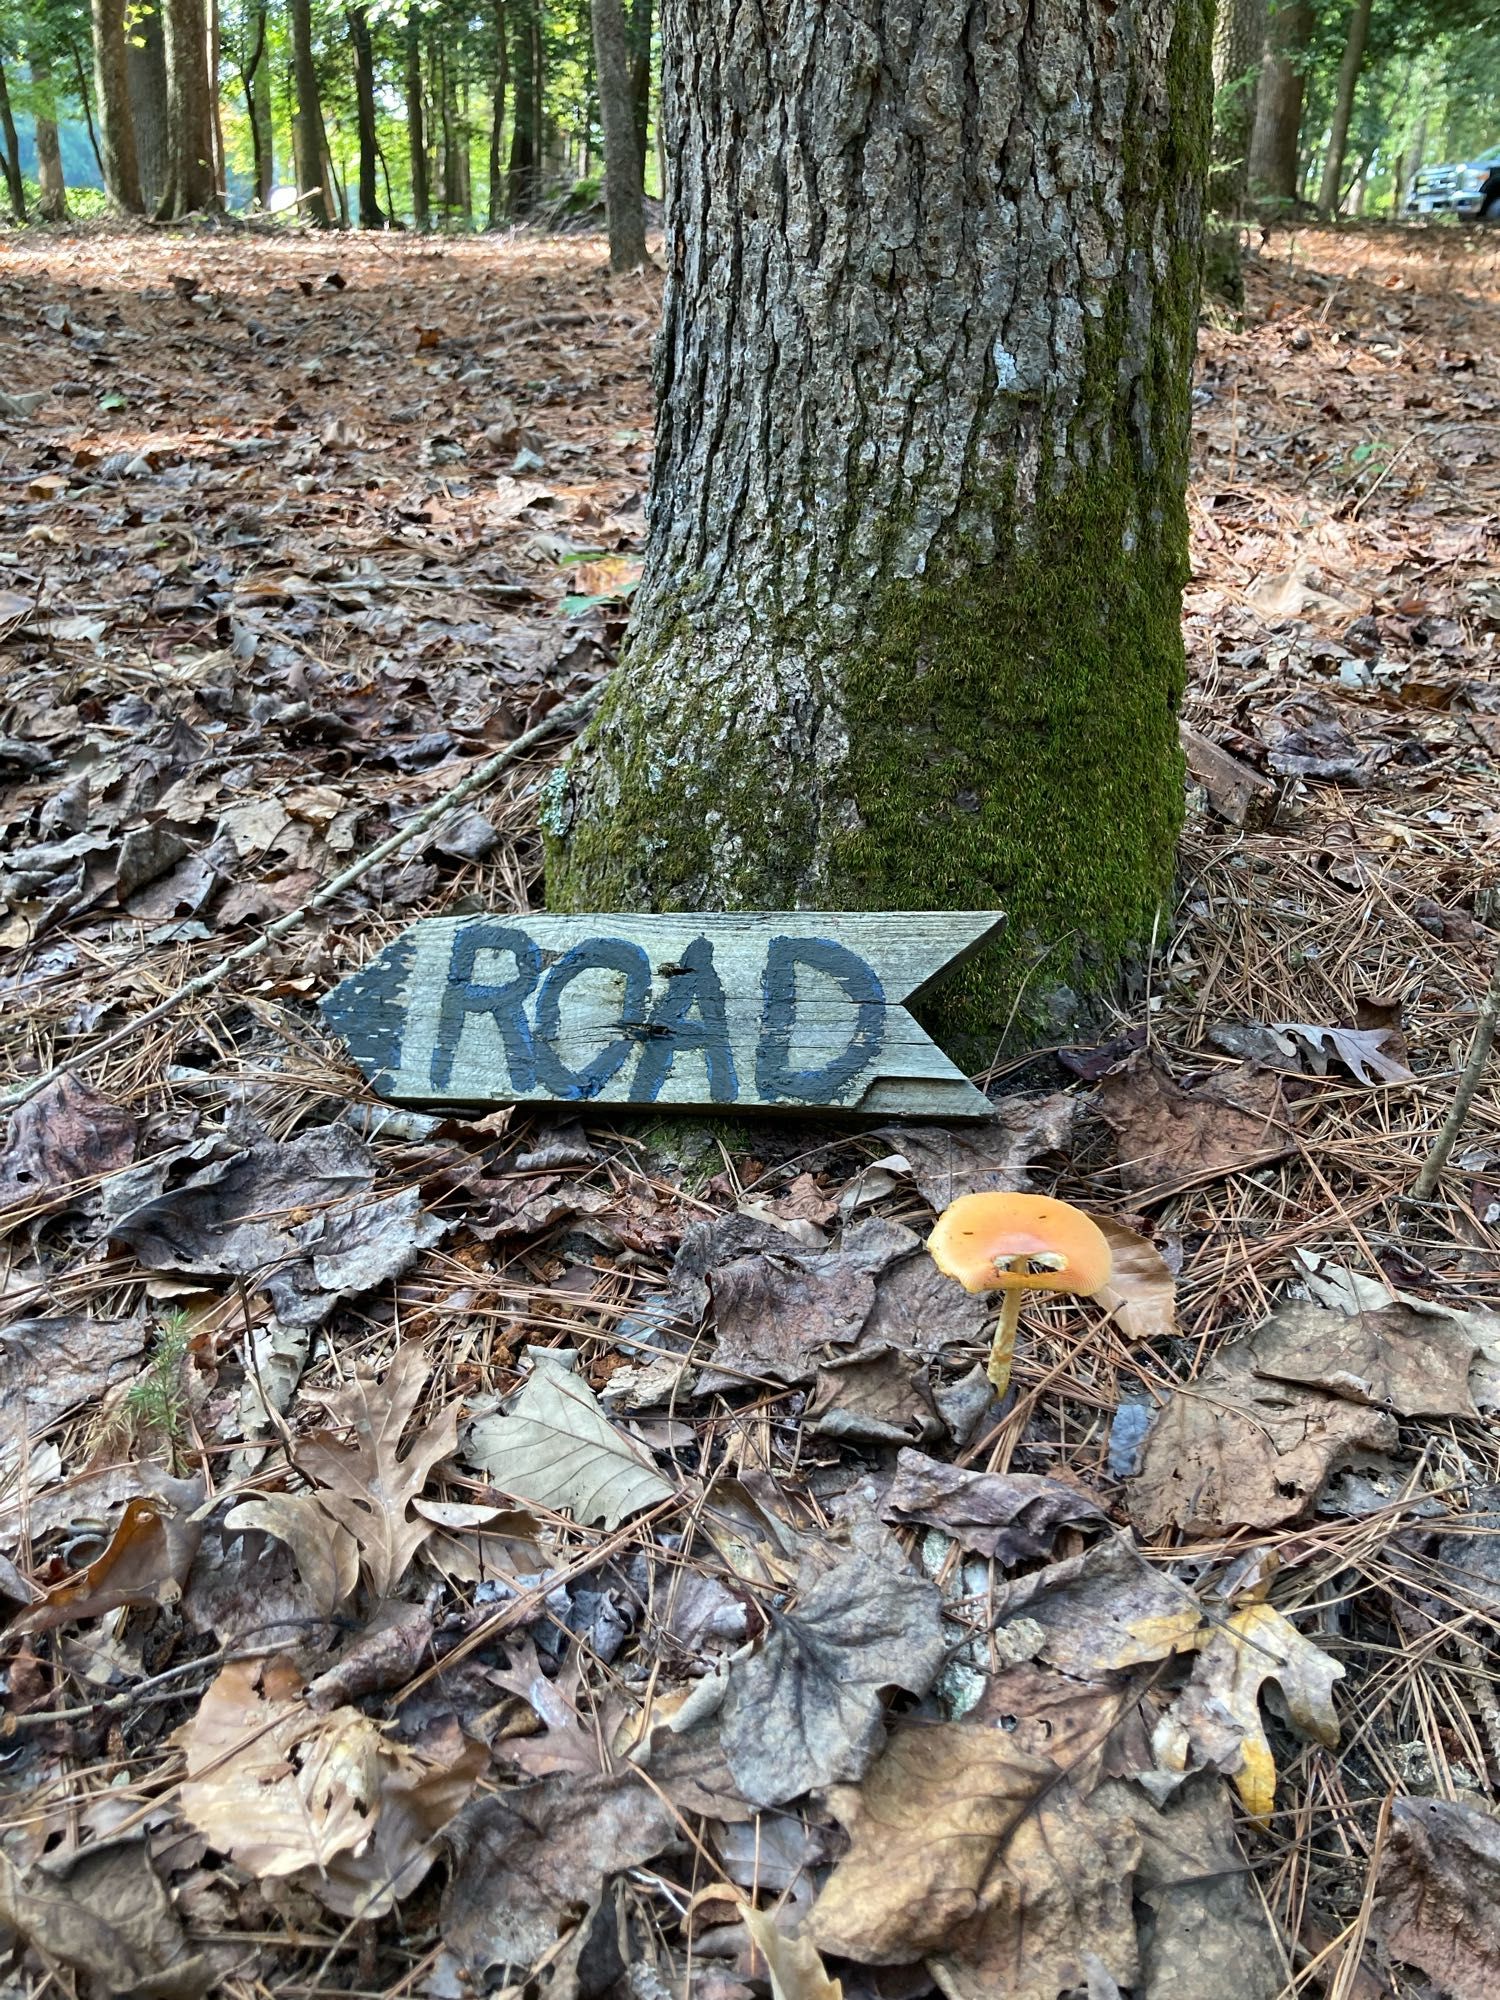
<point>909,635</point>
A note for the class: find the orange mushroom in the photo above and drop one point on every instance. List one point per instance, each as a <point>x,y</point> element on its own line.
<point>1018,1243</point>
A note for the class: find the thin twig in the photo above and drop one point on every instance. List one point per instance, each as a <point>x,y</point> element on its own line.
<point>1463,1095</point>
<point>456,795</point>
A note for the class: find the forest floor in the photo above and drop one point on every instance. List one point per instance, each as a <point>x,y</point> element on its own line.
<point>1171,1676</point>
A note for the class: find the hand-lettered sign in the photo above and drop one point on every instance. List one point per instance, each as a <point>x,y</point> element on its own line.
<point>779,1010</point>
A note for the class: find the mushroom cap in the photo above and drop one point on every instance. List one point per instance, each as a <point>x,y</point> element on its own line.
<point>978,1235</point>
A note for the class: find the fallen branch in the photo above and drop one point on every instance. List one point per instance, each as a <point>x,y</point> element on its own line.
<point>456,795</point>
<point>1463,1096</point>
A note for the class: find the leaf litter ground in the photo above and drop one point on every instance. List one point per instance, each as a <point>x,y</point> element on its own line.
<point>573,1558</point>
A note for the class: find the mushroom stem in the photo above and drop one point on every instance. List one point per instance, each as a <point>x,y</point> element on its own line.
<point>1003,1348</point>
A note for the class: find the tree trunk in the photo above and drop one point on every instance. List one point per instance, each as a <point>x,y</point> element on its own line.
<point>909,635</point>
<point>421,210</point>
<point>86,99</point>
<point>1239,36</point>
<point>371,216</point>
<point>189,183</point>
<point>1274,157</point>
<point>52,189</point>
<point>256,80</point>
<point>622,162</point>
<point>640,76</point>
<point>122,175</point>
<point>1343,107</point>
<point>146,71</point>
<point>215,123</point>
<point>307,127</point>
<point>497,115</point>
<point>525,136</point>
<point>14,185</point>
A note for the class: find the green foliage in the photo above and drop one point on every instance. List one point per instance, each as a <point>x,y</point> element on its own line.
<point>156,1406</point>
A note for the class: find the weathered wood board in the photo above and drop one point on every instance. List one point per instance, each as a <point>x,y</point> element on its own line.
<point>777,1010</point>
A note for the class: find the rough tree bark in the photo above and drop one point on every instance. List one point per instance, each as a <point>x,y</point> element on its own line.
<point>421,204</point>
<point>122,176</point>
<point>52,189</point>
<point>371,214</point>
<point>1239,36</point>
<point>146,71</point>
<point>1343,108</point>
<point>497,114</point>
<point>307,126</point>
<point>1274,157</point>
<point>909,635</point>
<point>189,183</point>
<point>622,162</point>
<point>14,186</point>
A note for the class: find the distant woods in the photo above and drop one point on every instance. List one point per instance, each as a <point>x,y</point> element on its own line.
<point>1327,107</point>
<point>366,116</point>
<point>390,114</point>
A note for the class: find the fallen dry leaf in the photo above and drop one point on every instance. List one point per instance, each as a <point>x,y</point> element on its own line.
<point>924,1830</point>
<point>522,1857</point>
<point>1365,1052</point>
<point>793,1966</point>
<point>65,1137</point>
<point>946,1162</point>
<point>1141,1295</point>
<point>1009,1517</point>
<point>1234,1450</point>
<point>776,1312</point>
<point>1215,1721</point>
<point>805,1709</point>
<point>365,1483</point>
<point>1103,1610</point>
<point>1169,1137</point>
<point>325,1798</point>
<point>986,1860</point>
<point>557,1449</point>
<point>1413,1363</point>
<point>104,1912</point>
<point>146,1562</point>
<point>1437,1903</point>
<point>1204,1929</point>
<point>51,1366</point>
<point>327,1555</point>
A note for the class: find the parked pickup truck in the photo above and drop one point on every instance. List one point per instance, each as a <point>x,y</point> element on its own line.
<point>1470,188</point>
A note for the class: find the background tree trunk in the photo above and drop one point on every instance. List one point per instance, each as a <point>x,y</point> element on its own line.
<point>421,210</point>
<point>1239,37</point>
<point>146,71</point>
<point>640,77</point>
<point>1274,155</point>
<point>371,215</point>
<point>215,122</point>
<point>84,88</point>
<point>14,186</point>
<point>256,79</point>
<point>525,131</point>
<point>314,185</point>
<point>189,181</point>
<point>909,635</point>
<point>497,114</point>
<point>112,87</point>
<point>1343,107</point>
<point>622,162</point>
<point>52,189</point>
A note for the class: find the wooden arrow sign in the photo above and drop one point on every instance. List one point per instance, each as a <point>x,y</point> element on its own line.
<point>782,1010</point>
